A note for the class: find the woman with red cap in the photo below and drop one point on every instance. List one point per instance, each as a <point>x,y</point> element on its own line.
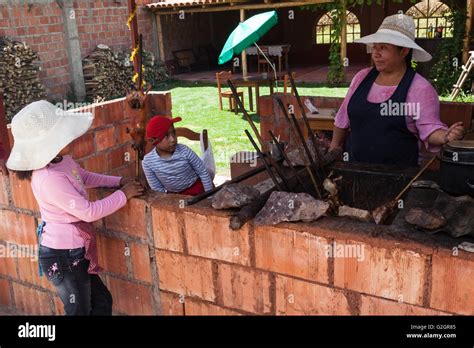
<point>172,167</point>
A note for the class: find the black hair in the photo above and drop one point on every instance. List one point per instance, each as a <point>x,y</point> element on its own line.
<point>23,174</point>
<point>408,57</point>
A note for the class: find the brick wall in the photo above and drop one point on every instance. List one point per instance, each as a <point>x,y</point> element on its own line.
<point>40,25</point>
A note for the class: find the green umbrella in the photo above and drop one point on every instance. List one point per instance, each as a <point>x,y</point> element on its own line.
<point>247,33</point>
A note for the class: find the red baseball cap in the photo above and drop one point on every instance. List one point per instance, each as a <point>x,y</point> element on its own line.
<point>159,125</point>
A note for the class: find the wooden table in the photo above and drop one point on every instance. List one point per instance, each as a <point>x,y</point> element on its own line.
<point>322,121</point>
<point>257,82</point>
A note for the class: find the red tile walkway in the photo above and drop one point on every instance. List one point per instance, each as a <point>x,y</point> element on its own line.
<point>308,74</point>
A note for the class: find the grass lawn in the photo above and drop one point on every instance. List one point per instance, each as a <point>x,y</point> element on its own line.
<point>198,105</point>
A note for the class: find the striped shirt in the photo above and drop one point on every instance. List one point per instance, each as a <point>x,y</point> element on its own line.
<point>176,173</point>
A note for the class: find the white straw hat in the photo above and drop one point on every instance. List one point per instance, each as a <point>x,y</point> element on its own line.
<point>40,131</point>
<point>399,30</point>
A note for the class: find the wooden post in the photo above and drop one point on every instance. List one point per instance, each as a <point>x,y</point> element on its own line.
<point>343,31</point>
<point>465,51</point>
<point>159,29</point>
<point>132,7</point>
<point>244,54</point>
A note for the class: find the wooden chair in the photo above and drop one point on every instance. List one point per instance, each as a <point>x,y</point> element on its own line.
<point>262,62</point>
<point>287,83</point>
<point>222,77</point>
<point>191,135</point>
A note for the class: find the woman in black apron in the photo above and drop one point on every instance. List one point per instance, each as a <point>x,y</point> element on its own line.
<point>378,131</point>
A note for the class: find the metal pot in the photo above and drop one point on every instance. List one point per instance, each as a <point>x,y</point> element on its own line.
<point>457,167</point>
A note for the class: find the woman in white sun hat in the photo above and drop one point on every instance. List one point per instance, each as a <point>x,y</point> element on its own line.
<point>67,253</point>
<point>390,111</point>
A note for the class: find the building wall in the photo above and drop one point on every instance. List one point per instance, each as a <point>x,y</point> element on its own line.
<point>189,32</point>
<point>39,23</point>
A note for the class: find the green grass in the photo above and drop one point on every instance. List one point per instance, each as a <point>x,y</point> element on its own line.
<point>198,105</point>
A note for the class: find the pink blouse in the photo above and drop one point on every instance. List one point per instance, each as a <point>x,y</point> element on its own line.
<point>59,189</point>
<point>421,92</point>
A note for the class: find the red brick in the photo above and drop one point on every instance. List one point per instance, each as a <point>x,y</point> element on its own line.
<point>127,172</point>
<point>131,219</point>
<point>123,136</point>
<point>99,118</point>
<point>121,156</point>
<point>378,306</point>
<point>131,298</point>
<point>185,275</point>
<point>297,297</point>
<point>96,164</point>
<point>452,284</point>
<point>390,273</point>
<point>28,272</point>
<point>22,194</point>
<point>8,265</point>
<point>111,252</point>
<point>3,190</point>
<point>171,304</point>
<point>210,236</point>
<point>5,293</point>
<point>17,228</point>
<point>83,146</point>
<point>299,254</point>
<point>141,262</point>
<point>161,103</point>
<point>105,138</point>
<point>244,288</point>
<point>31,301</point>
<point>114,111</point>
<point>167,231</point>
<point>195,307</point>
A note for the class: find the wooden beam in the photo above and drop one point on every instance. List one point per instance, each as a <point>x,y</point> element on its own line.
<point>467,39</point>
<point>244,54</point>
<point>261,6</point>
<point>343,31</point>
<point>154,36</point>
<point>159,29</point>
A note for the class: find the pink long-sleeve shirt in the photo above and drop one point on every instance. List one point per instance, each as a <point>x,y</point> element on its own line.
<point>420,91</point>
<point>60,190</point>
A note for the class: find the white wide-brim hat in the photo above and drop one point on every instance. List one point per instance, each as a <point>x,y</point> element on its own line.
<point>399,30</point>
<point>40,131</point>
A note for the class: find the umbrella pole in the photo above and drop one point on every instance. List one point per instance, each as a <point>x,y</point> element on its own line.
<point>272,65</point>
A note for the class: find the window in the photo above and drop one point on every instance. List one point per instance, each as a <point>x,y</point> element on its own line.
<point>324,28</point>
<point>431,19</point>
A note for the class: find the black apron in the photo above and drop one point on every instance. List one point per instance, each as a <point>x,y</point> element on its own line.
<point>380,139</point>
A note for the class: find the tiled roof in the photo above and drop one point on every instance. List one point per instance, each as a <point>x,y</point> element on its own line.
<point>189,3</point>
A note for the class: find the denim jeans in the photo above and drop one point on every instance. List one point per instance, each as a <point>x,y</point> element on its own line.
<point>81,293</point>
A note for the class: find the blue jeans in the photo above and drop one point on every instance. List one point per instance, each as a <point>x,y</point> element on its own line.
<point>81,293</point>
